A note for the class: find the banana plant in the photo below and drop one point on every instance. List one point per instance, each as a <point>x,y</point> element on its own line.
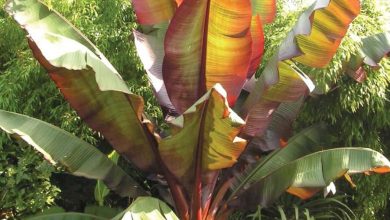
<point>201,57</point>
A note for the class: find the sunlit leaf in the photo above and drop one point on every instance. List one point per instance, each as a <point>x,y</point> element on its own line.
<point>209,125</point>
<point>288,85</point>
<point>320,30</point>
<point>207,42</point>
<point>151,12</point>
<point>257,45</point>
<point>313,42</point>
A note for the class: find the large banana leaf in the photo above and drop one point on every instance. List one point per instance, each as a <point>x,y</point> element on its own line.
<point>373,49</point>
<point>265,8</point>
<point>306,175</point>
<point>320,30</point>
<point>147,208</point>
<point>313,42</point>
<point>77,156</point>
<point>203,141</point>
<point>207,42</point>
<point>90,213</point>
<point>67,216</point>
<point>87,80</point>
<point>303,143</point>
<point>150,12</point>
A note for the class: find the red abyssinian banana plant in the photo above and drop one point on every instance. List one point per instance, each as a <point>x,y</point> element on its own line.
<point>199,56</point>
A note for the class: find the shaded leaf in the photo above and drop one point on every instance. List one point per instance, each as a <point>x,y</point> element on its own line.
<point>87,80</point>
<point>77,156</point>
<point>150,49</point>
<point>67,216</point>
<point>102,211</point>
<point>101,190</point>
<point>279,128</point>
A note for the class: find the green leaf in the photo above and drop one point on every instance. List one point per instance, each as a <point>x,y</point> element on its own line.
<point>102,211</point>
<point>307,141</point>
<point>373,49</point>
<point>77,156</point>
<point>282,214</point>
<point>87,80</point>
<point>66,216</point>
<point>101,190</point>
<point>90,213</point>
<point>306,175</point>
<point>147,208</point>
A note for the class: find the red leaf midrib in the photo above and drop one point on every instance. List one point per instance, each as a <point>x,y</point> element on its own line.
<point>202,89</point>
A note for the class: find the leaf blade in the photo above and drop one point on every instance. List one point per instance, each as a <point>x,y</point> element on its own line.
<point>79,157</point>
<point>200,34</point>
<point>318,169</point>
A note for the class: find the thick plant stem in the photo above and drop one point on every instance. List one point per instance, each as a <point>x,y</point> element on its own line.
<point>175,187</point>
<point>218,202</point>
<point>196,200</point>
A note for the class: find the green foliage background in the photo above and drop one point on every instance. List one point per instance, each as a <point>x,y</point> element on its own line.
<point>358,113</point>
